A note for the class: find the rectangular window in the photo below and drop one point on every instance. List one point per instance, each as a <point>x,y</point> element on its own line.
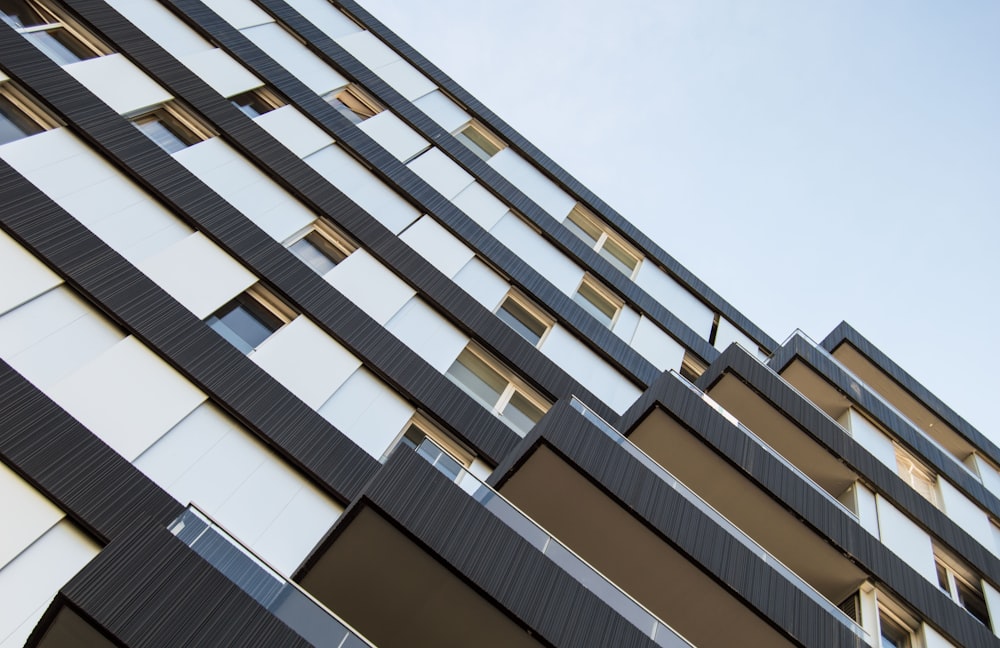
<point>18,117</point>
<point>250,318</point>
<point>479,140</point>
<point>321,247</point>
<point>589,229</point>
<point>256,102</point>
<point>963,585</point>
<point>496,387</point>
<point>436,447</point>
<point>170,127</point>
<point>518,313</point>
<point>49,28</point>
<point>892,634</point>
<point>354,103</point>
<point>916,475</point>
<point>598,301</point>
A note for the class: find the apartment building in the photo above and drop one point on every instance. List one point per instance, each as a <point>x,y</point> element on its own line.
<point>300,344</point>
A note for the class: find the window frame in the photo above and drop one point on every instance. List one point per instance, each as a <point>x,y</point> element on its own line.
<point>28,108</point>
<point>173,116</point>
<point>920,478</point>
<point>955,574</point>
<point>547,322</point>
<point>59,19</point>
<point>483,132</point>
<point>606,234</point>
<point>610,297</point>
<point>331,239</point>
<point>266,96</point>
<point>266,300</point>
<point>358,94</point>
<point>457,451</point>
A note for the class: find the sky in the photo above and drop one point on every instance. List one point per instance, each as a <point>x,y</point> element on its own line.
<point>812,162</point>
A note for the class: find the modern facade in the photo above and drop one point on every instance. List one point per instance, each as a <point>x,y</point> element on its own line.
<point>300,344</point>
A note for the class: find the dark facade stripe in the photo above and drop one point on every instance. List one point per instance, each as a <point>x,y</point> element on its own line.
<point>846,334</point>
<point>551,229</point>
<point>95,486</point>
<point>786,488</point>
<point>560,176</point>
<point>189,198</point>
<point>417,191</point>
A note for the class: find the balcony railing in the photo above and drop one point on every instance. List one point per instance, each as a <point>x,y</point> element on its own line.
<point>733,530</point>
<point>279,595</point>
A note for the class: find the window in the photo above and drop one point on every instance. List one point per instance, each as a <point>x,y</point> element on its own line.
<point>963,585</point>
<point>321,247</point>
<point>436,447</point>
<point>170,127</point>
<point>518,313</point>
<point>598,301</point>
<point>52,33</point>
<point>18,117</point>
<point>921,479</point>
<point>256,102</point>
<point>892,633</point>
<point>250,318</point>
<point>589,229</point>
<point>493,386</point>
<point>480,141</point>
<point>691,367</point>
<point>354,103</point>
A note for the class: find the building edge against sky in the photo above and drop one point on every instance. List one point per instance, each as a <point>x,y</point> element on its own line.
<point>302,344</point>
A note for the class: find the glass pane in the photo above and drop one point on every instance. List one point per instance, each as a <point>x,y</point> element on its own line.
<point>973,601</point>
<point>18,14</point>
<point>476,142</point>
<point>164,137</point>
<point>60,46</point>
<point>478,378</point>
<point>521,320</point>
<point>313,255</point>
<point>245,319</point>
<point>583,227</point>
<point>619,257</point>
<point>251,104</point>
<point>595,304</point>
<point>522,413</point>
<point>14,124</point>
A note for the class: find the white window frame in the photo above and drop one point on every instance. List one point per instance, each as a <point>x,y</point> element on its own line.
<point>896,620</point>
<point>353,91</point>
<point>483,132</point>
<point>956,572</point>
<point>598,288</point>
<point>330,237</point>
<point>518,298</point>
<point>581,213</point>
<point>919,477</point>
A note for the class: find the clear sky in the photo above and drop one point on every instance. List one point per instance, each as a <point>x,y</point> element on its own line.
<point>811,161</point>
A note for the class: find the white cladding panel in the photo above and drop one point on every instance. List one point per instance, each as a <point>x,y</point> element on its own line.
<point>393,135</point>
<point>545,259</point>
<point>626,323</point>
<point>867,508</point>
<point>443,110</point>
<point>294,57</point>
<point>368,49</point>
<point>210,460</point>
<point>53,335</point>
<point>303,358</point>
<point>27,514</point>
<point>992,604</point>
<point>33,277</point>
<point>437,245</point>
<point>367,283</point>
<point>368,412</point>
<point>127,396</point>
<point>158,23</point>
<point>873,440</point>
<point>588,369</point>
<point>480,205</point>
<point>363,188</point>
<point>438,170</point>
<point>965,513</point>
<point>728,333</point>
<point>219,70</point>
<point>485,286</point>
<point>198,274</point>
<point>656,346</point>
<point>239,13</point>
<point>932,639</point>
<point>323,15</point>
<point>989,474</point>
<point>118,83</point>
<point>675,298</point>
<point>906,539</point>
<point>406,80</point>
<point>430,336</point>
<point>532,183</point>
<point>246,188</point>
<point>294,130</point>
<point>30,582</point>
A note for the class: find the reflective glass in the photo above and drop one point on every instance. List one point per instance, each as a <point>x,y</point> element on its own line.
<point>478,378</point>
<point>521,320</point>
<point>14,124</point>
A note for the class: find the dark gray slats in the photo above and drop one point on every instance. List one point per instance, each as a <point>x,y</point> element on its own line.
<point>846,334</point>
<point>820,515</point>
<point>397,175</point>
<point>554,231</point>
<point>189,197</point>
<point>561,177</point>
<point>96,487</point>
<point>494,558</point>
<point>241,387</point>
<point>149,590</point>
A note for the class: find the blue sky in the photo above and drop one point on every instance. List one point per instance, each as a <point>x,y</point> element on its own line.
<point>811,161</point>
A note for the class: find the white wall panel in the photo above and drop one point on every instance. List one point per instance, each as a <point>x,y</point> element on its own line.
<point>422,329</point>
<point>992,605</point>
<point>27,514</point>
<point>533,183</point>
<point>294,130</point>
<point>362,187</point>
<point>368,412</point>
<point>576,359</point>
<point>867,508</point>
<point>325,16</point>
<point>367,283</point>
<point>437,169</point>
<point>298,528</point>
<point>219,70</point>
<point>30,582</point>
<point>656,346</point>
<point>932,639</point>
<point>198,274</point>
<point>545,258</point>
<point>443,110</point>
<point>303,358</point>
<point>33,277</point>
<point>626,323</point>
<point>239,13</point>
<point>437,245</point>
<point>485,286</point>
<point>118,83</point>
<point>675,298</point>
<point>906,539</point>
<point>158,23</point>
<point>480,205</point>
<point>294,57</point>
<point>53,335</point>
<point>728,333</point>
<point>406,80</point>
<point>989,474</point>
<point>127,396</point>
<point>393,135</point>
<point>965,513</point>
<point>57,163</point>
<point>368,49</point>
<point>865,433</point>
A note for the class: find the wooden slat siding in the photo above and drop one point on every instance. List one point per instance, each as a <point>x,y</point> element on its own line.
<point>552,229</point>
<point>786,488</point>
<point>407,183</point>
<point>681,525</point>
<point>303,182</point>
<point>939,460</point>
<point>191,200</point>
<point>846,334</point>
<point>559,175</point>
<point>149,590</point>
<point>95,486</point>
